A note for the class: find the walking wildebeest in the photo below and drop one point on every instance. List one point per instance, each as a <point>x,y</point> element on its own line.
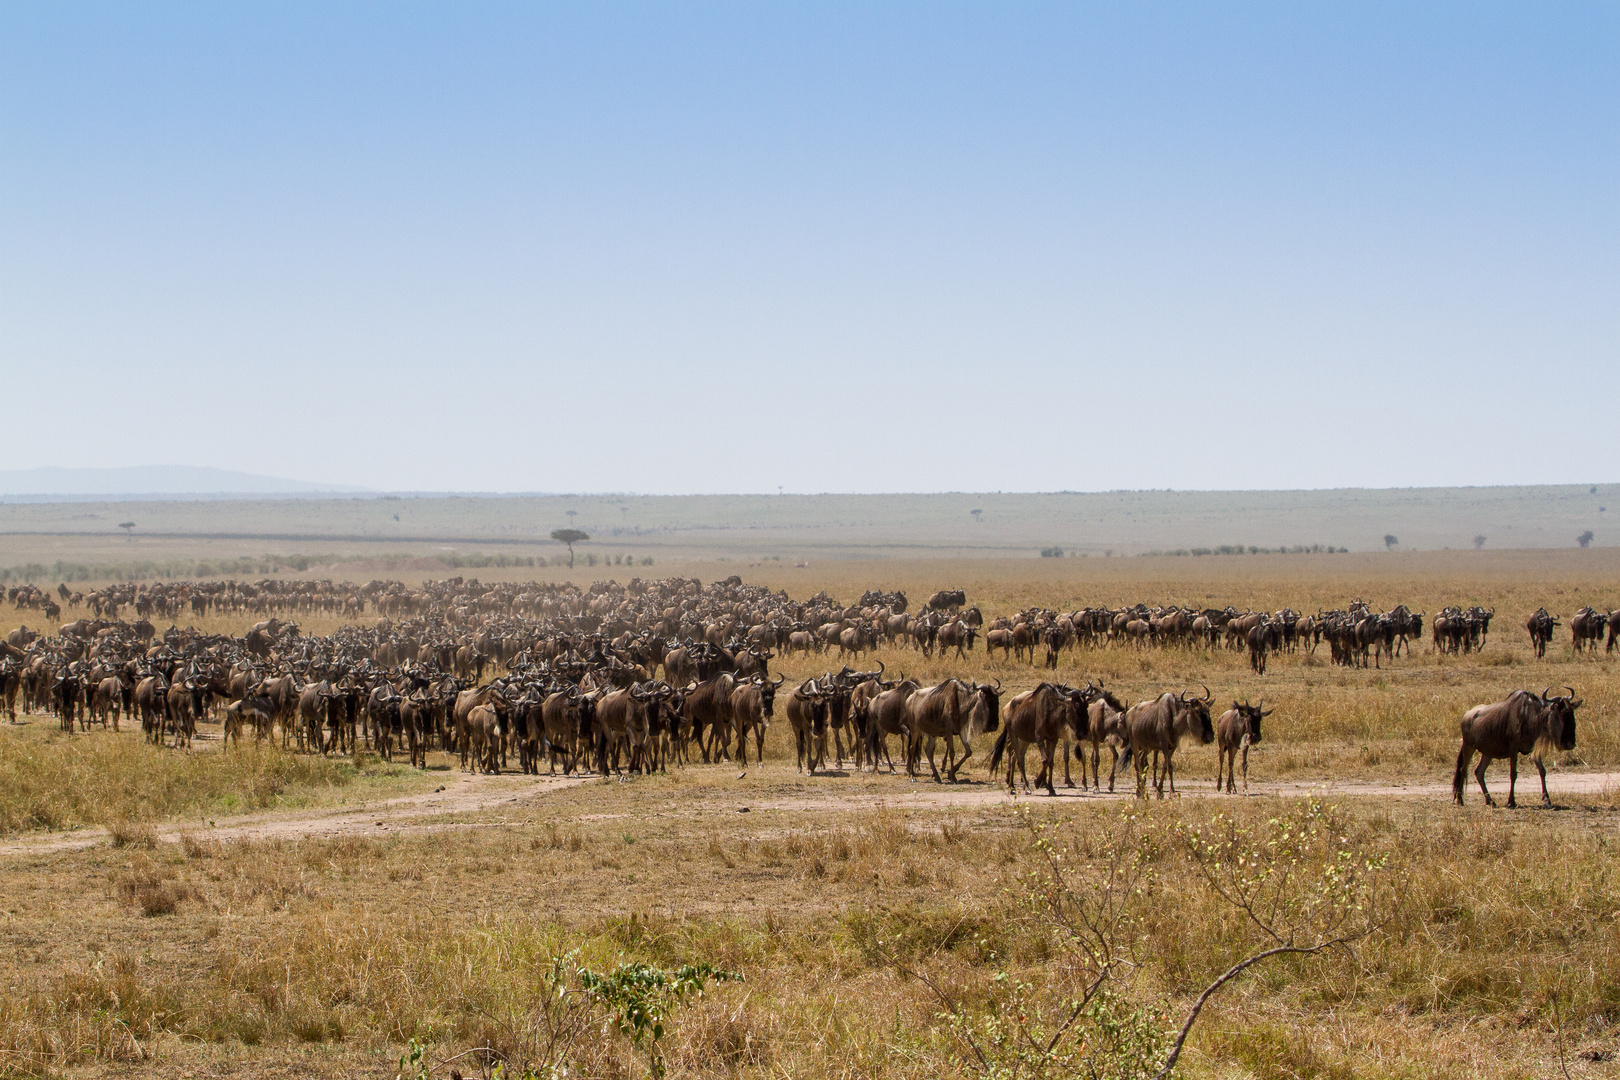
<point>1238,728</point>
<point>1039,716</point>
<point>1521,723</point>
<point>1540,625</point>
<point>1105,723</point>
<point>1158,726</point>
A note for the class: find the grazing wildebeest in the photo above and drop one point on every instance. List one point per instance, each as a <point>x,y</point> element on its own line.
<point>947,600</point>
<point>1040,716</point>
<point>1158,727</point>
<point>1237,729</point>
<point>258,711</point>
<point>1540,625</point>
<point>1521,723</point>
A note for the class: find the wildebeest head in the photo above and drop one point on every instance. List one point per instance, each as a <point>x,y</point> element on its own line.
<point>990,700</point>
<point>1195,713</point>
<point>1560,717</point>
<point>587,715</point>
<point>767,693</point>
<point>1252,715</point>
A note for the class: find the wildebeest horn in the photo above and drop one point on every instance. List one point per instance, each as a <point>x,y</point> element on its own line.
<point>880,671</point>
<point>779,680</point>
<point>1571,690</point>
<point>1546,695</point>
<point>1207,696</point>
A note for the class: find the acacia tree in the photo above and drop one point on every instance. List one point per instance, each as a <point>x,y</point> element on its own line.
<point>1390,540</point>
<point>569,537</point>
<point>1585,539</point>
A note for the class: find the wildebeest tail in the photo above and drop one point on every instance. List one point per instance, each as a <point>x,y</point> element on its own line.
<point>1125,758</point>
<point>1457,781</point>
<point>1000,747</point>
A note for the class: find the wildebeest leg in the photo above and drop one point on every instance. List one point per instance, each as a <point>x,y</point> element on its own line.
<point>1048,749</point>
<point>1221,753</point>
<point>1513,779</point>
<point>1141,776</point>
<point>1170,770</point>
<point>1245,767</point>
<point>1546,800</point>
<point>1479,774</point>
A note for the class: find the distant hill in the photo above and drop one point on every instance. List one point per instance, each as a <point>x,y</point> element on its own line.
<point>146,481</point>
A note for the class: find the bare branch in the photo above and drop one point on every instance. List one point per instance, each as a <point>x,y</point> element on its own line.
<point>1227,976</point>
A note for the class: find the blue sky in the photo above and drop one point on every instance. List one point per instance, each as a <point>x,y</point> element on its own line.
<point>706,247</point>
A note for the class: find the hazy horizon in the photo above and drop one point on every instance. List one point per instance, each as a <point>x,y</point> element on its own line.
<point>137,482</point>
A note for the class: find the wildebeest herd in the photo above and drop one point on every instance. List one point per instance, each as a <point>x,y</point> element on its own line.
<point>644,675</point>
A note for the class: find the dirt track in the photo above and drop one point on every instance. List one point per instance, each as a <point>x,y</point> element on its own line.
<point>486,796</point>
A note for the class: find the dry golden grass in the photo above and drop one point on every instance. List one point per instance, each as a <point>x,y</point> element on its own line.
<point>52,780</point>
<point>257,954</point>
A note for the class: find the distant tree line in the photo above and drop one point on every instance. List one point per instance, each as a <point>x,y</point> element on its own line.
<point>1252,549</point>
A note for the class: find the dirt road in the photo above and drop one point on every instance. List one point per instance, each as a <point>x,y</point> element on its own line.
<point>484,800</point>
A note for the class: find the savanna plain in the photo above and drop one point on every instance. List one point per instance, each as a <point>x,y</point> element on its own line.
<point>258,913</point>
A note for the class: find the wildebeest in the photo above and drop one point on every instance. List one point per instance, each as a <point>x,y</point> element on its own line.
<point>1262,639</point>
<point>887,715</point>
<point>483,728</point>
<point>1237,729</point>
<point>947,600</point>
<point>807,716</point>
<point>1105,723</point>
<point>1158,727</point>
<point>1540,626</point>
<point>959,634</point>
<point>1521,723</point>
<point>258,711</point>
<point>1040,717</point>
<point>1586,628</point>
<point>953,710</point>
<point>752,705</point>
